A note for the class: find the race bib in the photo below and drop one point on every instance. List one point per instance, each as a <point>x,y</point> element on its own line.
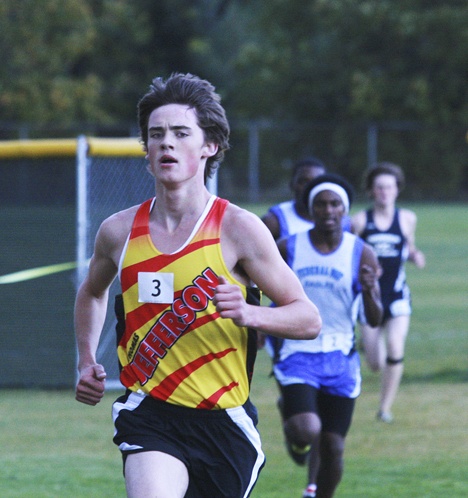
<point>331,342</point>
<point>156,287</point>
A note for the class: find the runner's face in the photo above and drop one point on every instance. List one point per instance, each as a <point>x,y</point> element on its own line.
<point>328,211</point>
<point>384,190</point>
<point>177,149</point>
<point>303,176</point>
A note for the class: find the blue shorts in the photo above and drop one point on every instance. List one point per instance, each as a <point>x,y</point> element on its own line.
<point>220,448</point>
<point>332,373</point>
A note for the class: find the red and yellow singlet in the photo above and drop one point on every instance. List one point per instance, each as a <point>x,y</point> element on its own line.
<point>175,346</point>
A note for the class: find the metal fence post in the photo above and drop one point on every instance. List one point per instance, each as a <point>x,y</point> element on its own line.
<point>254,161</point>
<point>372,138</point>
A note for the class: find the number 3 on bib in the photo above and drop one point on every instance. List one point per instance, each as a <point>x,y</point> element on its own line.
<point>156,287</point>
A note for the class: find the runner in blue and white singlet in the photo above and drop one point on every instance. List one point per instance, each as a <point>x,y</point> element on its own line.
<point>331,281</point>
<point>288,220</point>
<point>292,216</point>
<point>319,380</point>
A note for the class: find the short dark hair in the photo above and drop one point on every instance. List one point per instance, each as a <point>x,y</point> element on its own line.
<point>384,168</point>
<point>200,95</point>
<point>307,162</point>
<point>329,178</point>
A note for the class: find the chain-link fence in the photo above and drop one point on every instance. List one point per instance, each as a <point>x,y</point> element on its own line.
<point>38,217</point>
<point>257,168</point>
<point>37,223</point>
<point>107,183</point>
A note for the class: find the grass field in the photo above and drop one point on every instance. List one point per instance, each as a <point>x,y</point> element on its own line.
<point>54,447</point>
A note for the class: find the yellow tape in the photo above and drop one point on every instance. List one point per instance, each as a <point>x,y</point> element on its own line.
<point>42,271</point>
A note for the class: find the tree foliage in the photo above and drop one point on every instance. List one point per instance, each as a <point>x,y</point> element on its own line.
<point>41,45</point>
<point>387,59</point>
<point>341,61</point>
<point>335,59</point>
<point>87,61</point>
<point>354,62</point>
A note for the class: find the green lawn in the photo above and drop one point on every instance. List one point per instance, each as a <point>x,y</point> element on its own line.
<point>53,446</point>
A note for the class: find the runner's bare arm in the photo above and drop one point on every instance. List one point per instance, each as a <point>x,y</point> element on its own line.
<point>369,273</point>
<point>91,307</point>
<point>250,250</point>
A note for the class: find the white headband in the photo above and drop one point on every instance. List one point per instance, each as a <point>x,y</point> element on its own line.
<point>334,188</point>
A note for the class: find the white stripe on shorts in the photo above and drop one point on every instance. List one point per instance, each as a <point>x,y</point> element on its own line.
<point>240,417</point>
